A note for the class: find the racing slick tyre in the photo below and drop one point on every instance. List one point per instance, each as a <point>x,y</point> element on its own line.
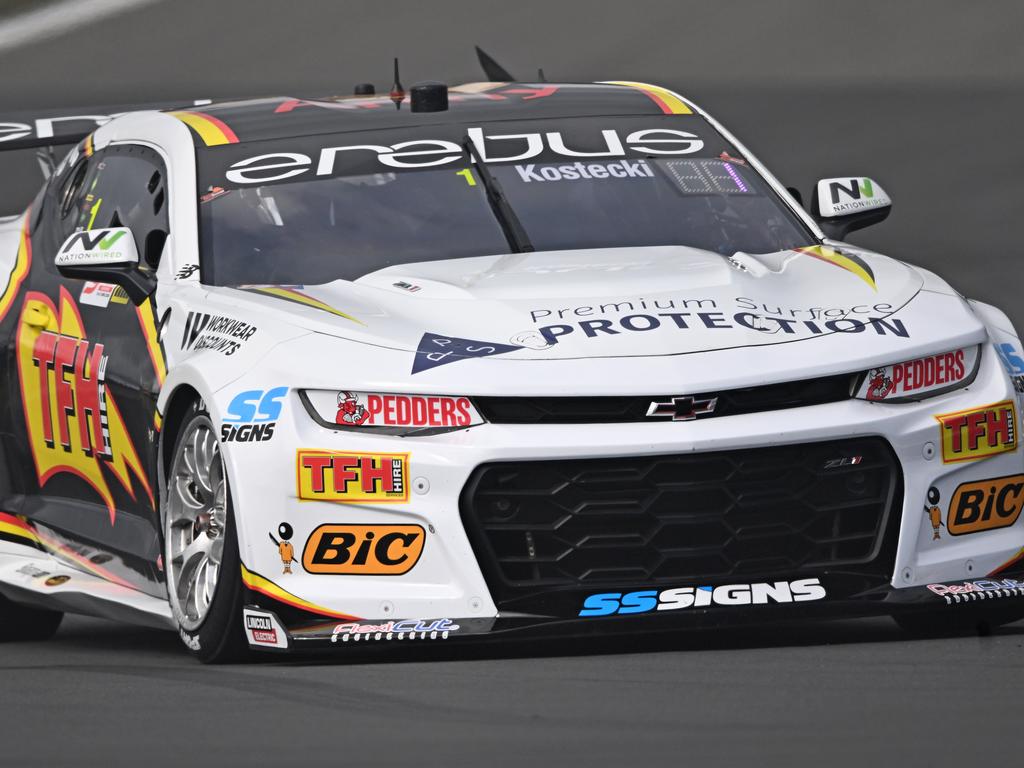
<point>964,622</point>
<point>21,622</point>
<point>204,581</point>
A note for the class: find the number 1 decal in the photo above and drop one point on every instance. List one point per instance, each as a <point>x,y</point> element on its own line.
<point>467,174</point>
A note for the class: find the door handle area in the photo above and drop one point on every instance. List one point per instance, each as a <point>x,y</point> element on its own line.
<point>37,315</point>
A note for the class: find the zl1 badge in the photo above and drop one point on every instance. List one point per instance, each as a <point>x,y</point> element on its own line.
<point>371,550</point>
<point>978,433</point>
<point>353,478</point>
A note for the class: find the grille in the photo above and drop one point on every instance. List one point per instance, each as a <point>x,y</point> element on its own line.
<point>648,520</point>
<point>610,410</point>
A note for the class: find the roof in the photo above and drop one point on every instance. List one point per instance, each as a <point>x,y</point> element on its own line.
<point>282,117</point>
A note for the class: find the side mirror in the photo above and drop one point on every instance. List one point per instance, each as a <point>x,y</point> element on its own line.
<point>852,202</point>
<point>107,256</point>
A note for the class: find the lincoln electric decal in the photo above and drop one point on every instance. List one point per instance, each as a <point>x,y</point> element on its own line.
<point>72,420</point>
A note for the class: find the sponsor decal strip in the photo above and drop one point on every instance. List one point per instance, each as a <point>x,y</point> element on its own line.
<point>667,101</point>
<point>1019,557</point>
<point>264,586</point>
<point>290,294</point>
<point>849,262</point>
<point>147,322</point>
<point>212,131</point>
<point>17,530</point>
<point>20,271</point>
<point>82,562</point>
<point>156,352</point>
<point>980,589</point>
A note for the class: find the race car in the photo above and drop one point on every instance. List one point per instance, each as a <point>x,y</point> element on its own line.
<point>492,361</point>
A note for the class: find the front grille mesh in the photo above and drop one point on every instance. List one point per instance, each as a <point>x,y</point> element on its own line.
<point>675,518</point>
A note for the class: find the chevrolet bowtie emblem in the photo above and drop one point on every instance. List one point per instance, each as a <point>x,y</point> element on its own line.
<point>685,408</point>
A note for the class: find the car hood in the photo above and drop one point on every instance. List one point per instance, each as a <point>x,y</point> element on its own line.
<point>611,302</point>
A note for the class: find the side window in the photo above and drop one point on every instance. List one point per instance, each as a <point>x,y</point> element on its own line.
<point>123,186</point>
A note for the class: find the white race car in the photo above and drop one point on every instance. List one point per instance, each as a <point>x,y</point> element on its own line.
<point>493,361</point>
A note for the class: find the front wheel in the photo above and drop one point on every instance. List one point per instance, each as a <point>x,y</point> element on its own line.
<point>203,567</point>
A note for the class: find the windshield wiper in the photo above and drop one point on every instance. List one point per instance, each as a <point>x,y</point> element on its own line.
<point>512,228</point>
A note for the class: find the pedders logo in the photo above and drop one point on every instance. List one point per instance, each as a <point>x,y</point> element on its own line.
<point>383,410</point>
<point>979,432</point>
<point>918,378</point>
<point>352,477</point>
<point>371,550</point>
<point>72,421</point>
<point>985,505</point>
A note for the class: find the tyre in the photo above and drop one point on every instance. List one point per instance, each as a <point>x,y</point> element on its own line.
<point>21,622</point>
<point>960,620</point>
<point>202,565</point>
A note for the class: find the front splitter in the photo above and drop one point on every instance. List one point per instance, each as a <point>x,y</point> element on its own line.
<point>963,600</point>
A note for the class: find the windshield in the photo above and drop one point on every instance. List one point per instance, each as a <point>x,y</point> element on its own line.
<point>309,218</point>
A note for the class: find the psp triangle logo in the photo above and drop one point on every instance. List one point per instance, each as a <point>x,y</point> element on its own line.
<point>435,350</point>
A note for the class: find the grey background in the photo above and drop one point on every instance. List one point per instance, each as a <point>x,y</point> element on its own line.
<point>923,95</point>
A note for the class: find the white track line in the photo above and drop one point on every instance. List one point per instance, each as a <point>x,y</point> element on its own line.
<point>59,18</point>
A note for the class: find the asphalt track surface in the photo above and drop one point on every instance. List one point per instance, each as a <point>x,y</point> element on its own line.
<point>926,97</point>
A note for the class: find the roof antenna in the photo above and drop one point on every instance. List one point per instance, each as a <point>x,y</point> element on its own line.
<point>397,91</point>
<point>540,75</point>
<point>492,69</point>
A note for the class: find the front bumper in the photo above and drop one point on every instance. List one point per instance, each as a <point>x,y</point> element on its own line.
<point>449,581</point>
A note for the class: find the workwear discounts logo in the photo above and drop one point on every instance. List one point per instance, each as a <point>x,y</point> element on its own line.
<point>214,332</point>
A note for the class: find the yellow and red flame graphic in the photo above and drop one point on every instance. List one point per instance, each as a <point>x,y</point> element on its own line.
<point>73,423</point>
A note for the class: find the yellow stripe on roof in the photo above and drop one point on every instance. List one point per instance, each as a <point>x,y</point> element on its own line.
<point>670,102</point>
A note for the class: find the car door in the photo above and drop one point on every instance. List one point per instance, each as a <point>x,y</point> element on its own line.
<point>89,368</point>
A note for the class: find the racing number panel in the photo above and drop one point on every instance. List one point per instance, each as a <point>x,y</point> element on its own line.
<point>84,370</point>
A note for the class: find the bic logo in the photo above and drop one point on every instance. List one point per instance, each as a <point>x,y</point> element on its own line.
<point>986,504</point>
<point>381,550</point>
<point>978,433</point>
<point>252,415</point>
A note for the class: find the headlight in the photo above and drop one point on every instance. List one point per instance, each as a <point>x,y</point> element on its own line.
<point>920,378</point>
<point>388,413</point>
